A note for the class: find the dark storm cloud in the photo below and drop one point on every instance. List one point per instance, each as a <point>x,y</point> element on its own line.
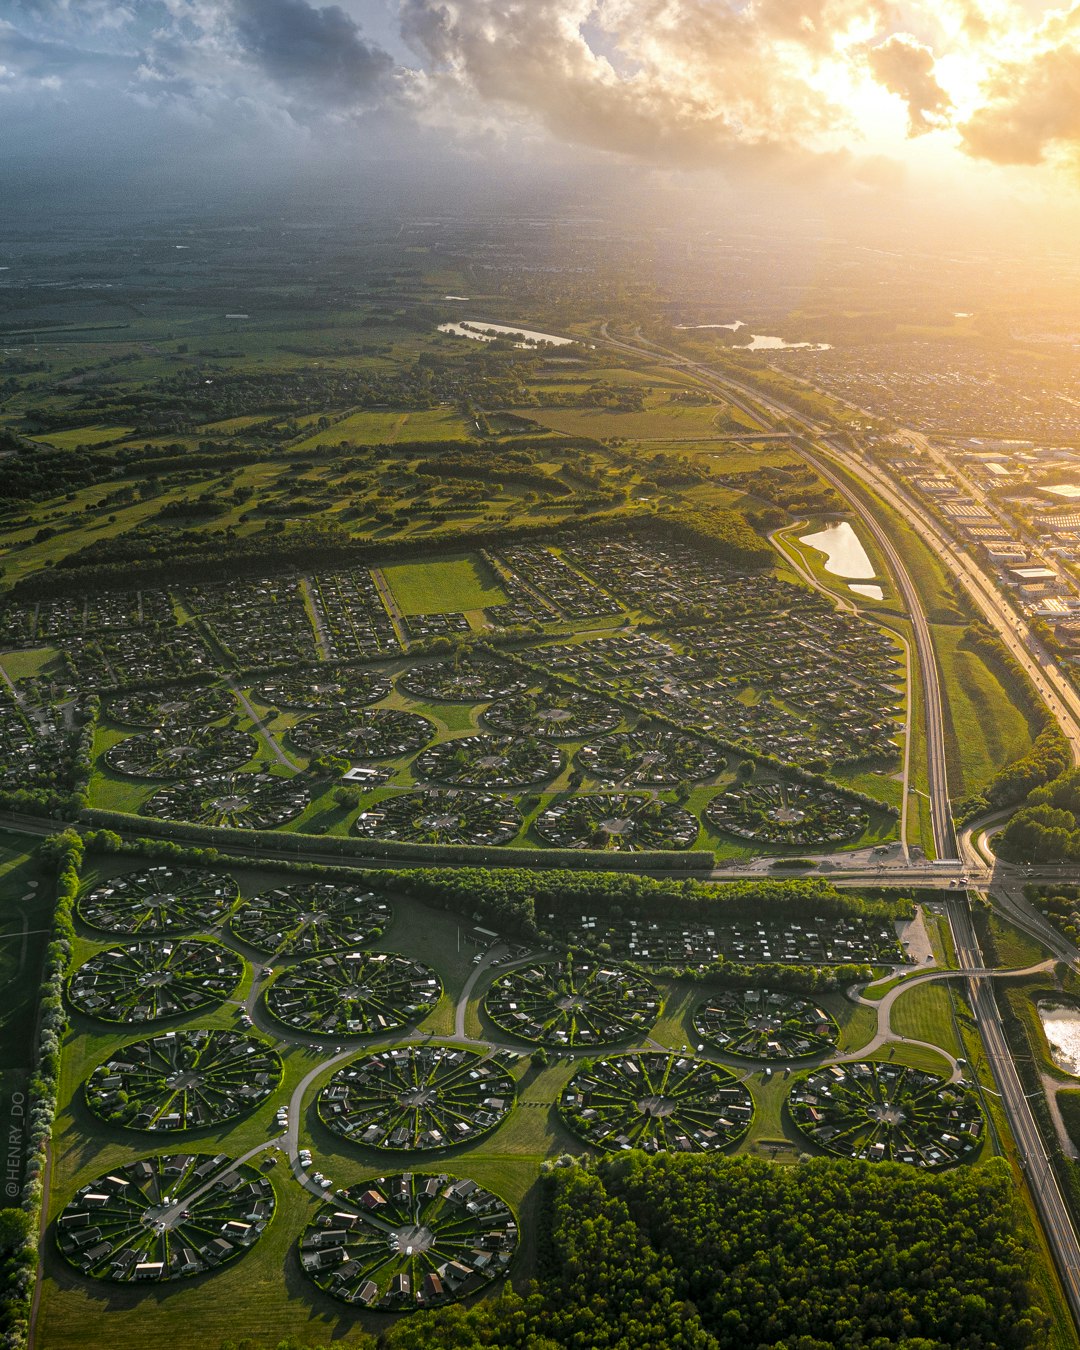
<point>319,52</point>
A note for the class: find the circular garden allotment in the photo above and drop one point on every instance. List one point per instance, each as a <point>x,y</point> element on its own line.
<point>371,733</point>
<point>175,750</point>
<point>308,918</point>
<point>409,1241</point>
<point>239,801</point>
<point>573,1003</point>
<point>183,1080</point>
<point>765,1024</point>
<point>188,705</point>
<point>554,714</point>
<point>441,816</point>
<point>646,758</point>
<point>465,681</point>
<point>887,1112</point>
<point>656,1101</point>
<point>490,761</point>
<point>786,813</point>
<point>417,1097</point>
<point>162,977</point>
<point>159,899</point>
<point>165,1218</point>
<point>307,693</point>
<point>353,994</point>
<point>621,822</point>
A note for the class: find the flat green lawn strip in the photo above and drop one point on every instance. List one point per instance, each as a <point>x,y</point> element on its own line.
<point>925,1013</point>
<point>985,729</point>
<point>660,420</point>
<point>25,664</point>
<point>26,910</point>
<point>389,428</point>
<point>446,586</point>
<point>1015,948</point>
<point>92,435</point>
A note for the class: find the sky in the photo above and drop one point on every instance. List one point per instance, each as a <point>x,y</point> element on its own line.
<point>972,100</point>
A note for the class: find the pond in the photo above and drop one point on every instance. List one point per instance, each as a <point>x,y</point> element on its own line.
<point>1061,1025</point>
<point>763,342</point>
<point>871,591</point>
<point>480,330</point>
<point>844,553</point>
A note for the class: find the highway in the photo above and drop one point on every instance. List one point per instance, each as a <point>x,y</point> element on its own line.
<point>1034,1159</point>
<point>936,764</point>
<point>1063,703</point>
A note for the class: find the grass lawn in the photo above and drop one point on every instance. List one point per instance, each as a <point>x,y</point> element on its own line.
<point>659,420</point>
<point>69,440</point>
<point>449,586</point>
<point>925,1013</point>
<point>984,728</point>
<point>26,904</point>
<point>31,661</point>
<point>390,428</point>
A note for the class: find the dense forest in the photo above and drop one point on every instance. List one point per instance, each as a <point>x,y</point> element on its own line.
<point>1047,827</point>
<point>695,1253</point>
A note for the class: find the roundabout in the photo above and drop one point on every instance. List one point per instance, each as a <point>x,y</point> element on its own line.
<point>183,1080</point>
<point>786,813</point>
<point>343,692</point>
<point>760,1024</point>
<point>306,919</point>
<point>887,1112</point>
<point>657,1101</point>
<point>165,1218</point>
<point>417,1098</point>
<point>441,816</point>
<point>553,714</point>
<point>186,705</point>
<point>371,733</point>
<point>620,822</point>
<point>463,681</point>
<point>490,762</point>
<point>573,1003</point>
<point>412,1240</point>
<point>173,751</point>
<point>353,994</point>
<point>159,978</point>
<point>159,899</point>
<point>651,758</point>
<point>239,801</point>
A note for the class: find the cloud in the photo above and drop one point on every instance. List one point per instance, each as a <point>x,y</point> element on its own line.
<point>673,82</point>
<point>319,53</point>
<point>1031,108</point>
<point>905,67</point>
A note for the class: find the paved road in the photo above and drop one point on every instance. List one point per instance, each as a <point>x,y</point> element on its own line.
<point>936,767</point>
<point>1033,1155</point>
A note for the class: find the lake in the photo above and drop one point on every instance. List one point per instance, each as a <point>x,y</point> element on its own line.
<point>762,342</point>
<point>1061,1024</point>
<point>479,330</point>
<point>844,553</point>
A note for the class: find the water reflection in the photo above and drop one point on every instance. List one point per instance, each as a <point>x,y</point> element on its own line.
<point>1061,1024</point>
<point>844,553</point>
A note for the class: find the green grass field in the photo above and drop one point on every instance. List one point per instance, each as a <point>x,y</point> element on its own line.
<point>448,586</point>
<point>69,440</point>
<point>26,904</point>
<point>389,428</point>
<point>984,728</point>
